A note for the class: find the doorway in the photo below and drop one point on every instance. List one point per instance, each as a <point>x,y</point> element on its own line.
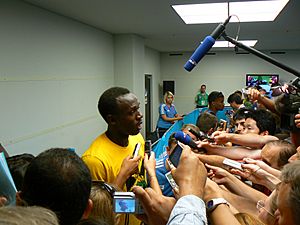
<point>148,105</point>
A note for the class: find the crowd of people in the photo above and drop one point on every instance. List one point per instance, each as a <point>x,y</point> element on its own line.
<point>248,173</point>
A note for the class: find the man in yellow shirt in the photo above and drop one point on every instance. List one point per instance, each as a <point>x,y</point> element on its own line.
<point>109,158</point>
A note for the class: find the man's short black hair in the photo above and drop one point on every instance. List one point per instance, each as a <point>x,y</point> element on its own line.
<point>265,120</point>
<point>242,113</point>
<point>59,180</point>
<point>107,103</point>
<point>214,95</point>
<point>235,98</point>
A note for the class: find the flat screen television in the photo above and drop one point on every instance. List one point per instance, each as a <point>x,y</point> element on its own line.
<point>262,81</point>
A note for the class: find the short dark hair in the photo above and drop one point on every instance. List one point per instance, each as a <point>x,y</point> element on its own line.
<point>59,180</point>
<point>264,119</point>
<point>235,98</point>
<point>214,95</point>
<point>206,121</point>
<point>242,113</point>
<point>107,103</point>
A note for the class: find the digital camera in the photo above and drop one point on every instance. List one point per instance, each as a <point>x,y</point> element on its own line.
<point>125,202</point>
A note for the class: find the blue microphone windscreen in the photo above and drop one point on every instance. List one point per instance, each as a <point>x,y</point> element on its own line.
<point>182,137</point>
<point>199,53</point>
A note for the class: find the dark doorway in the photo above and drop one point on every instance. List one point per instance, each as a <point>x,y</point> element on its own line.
<point>148,104</point>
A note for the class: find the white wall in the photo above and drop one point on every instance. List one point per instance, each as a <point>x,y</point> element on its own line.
<point>152,67</point>
<point>52,72</point>
<point>224,72</point>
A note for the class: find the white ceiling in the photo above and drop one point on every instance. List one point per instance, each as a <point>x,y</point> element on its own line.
<point>163,30</point>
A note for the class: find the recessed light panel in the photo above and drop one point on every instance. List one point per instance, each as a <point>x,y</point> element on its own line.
<point>226,44</point>
<point>249,11</point>
<point>256,10</point>
<point>202,13</point>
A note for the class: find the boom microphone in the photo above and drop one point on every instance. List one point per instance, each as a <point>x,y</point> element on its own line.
<point>205,46</point>
<point>185,139</point>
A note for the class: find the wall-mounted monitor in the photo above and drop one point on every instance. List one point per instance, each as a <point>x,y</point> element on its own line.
<point>262,81</point>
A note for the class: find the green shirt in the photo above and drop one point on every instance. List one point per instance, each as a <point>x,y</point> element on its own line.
<point>201,99</point>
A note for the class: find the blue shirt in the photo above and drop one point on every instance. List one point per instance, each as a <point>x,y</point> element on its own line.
<point>170,112</point>
<point>163,182</point>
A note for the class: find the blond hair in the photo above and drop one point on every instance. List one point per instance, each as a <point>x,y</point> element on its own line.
<point>168,93</point>
<point>20,215</point>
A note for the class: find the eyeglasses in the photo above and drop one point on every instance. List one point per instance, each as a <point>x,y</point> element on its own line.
<point>261,205</point>
<point>105,186</point>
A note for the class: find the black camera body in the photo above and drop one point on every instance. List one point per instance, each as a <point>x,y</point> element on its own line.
<point>288,104</point>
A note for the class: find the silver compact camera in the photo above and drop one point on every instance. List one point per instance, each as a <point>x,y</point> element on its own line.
<point>125,202</point>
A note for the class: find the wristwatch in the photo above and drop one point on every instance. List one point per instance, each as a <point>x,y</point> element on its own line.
<point>213,203</point>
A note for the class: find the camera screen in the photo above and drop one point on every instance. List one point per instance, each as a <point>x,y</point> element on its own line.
<point>124,205</point>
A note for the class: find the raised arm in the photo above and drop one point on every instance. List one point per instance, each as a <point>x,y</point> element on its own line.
<point>234,184</point>
<point>249,140</point>
<point>235,152</point>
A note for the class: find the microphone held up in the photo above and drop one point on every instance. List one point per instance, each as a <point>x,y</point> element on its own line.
<point>205,46</point>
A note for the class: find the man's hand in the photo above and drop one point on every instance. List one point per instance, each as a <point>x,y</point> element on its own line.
<point>297,120</point>
<point>3,201</point>
<point>150,164</point>
<point>218,175</point>
<point>157,207</point>
<point>221,137</point>
<point>190,174</point>
<point>129,166</point>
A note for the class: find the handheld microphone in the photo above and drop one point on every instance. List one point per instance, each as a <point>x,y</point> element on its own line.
<point>185,139</point>
<point>205,46</point>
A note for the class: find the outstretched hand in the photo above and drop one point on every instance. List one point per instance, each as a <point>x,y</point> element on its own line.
<point>184,175</point>
<point>157,207</point>
<point>217,174</point>
<point>251,172</point>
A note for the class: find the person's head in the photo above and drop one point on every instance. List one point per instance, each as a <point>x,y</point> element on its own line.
<point>266,209</point>
<point>203,88</point>
<point>207,123</point>
<point>102,197</point>
<point>235,101</point>
<point>120,109</point>
<point>17,165</point>
<point>59,180</point>
<point>239,118</point>
<point>19,215</point>
<point>191,130</point>
<point>288,200</point>
<point>260,122</point>
<point>216,101</point>
<point>247,219</point>
<point>239,93</point>
<point>168,97</point>
<point>277,153</point>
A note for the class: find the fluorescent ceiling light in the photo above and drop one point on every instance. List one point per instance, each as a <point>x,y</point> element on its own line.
<point>256,11</point>
<point>218,12</point>
<point>226,44</point>
<point>206,13</point>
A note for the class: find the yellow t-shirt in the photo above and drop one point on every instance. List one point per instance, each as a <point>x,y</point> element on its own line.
<point>104,159</point>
